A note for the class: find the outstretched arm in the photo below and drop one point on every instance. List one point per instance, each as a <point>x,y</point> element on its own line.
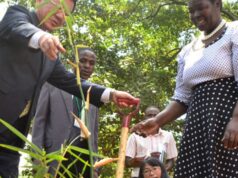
<point>63,79</point>
<point>170,113</point>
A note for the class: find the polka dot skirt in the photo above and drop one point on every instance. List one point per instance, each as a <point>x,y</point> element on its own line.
<point>202,154</point>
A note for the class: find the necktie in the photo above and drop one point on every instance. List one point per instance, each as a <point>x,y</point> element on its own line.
<point>77,106</point>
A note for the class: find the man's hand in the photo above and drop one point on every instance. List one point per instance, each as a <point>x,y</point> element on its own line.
<point>51,46</point>
<point>155,154</point>
<point>134,162</point>
<point>123,99</point>
<point>169,164</point>
<point>147,127</point>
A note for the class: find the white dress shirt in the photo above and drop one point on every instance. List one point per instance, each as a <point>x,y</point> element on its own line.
<point>162,142</point>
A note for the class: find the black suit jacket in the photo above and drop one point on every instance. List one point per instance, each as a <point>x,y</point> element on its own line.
<point>24,70</point>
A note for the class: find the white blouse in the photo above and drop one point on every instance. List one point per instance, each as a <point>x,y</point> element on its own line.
<point>198,65</point>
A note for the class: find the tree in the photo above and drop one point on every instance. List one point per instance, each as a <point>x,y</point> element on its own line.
<point>136,43</point>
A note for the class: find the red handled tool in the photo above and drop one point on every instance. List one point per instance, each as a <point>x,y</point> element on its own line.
<point>126,119</point>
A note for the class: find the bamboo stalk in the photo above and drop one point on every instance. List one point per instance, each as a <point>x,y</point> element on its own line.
<point>122,152</point>
<point>104,162</point>
<point>88,99</point>
<point>71,63</point>
<point>83,128</point>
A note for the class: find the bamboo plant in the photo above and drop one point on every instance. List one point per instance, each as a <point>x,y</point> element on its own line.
<point>43,159</point>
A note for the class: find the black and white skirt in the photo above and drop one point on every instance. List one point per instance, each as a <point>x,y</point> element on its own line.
<point>202,154</point>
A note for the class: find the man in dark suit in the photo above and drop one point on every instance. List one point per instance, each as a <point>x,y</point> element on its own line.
<point>28,58</point>
<point>54,124</point>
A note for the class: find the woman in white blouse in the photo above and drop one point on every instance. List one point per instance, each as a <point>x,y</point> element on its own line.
<point>207,90</point>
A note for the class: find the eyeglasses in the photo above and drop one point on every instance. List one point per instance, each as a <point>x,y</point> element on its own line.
<point>150,170</point>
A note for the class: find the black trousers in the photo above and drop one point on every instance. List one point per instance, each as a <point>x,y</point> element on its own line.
<point>78,167</point>
<point>9,160</point>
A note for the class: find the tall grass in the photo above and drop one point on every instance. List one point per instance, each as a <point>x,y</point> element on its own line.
<point>43,159</point>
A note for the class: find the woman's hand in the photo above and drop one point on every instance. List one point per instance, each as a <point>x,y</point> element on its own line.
<point>151,126</point>
<point>147,127</point>
<point>230,138</point>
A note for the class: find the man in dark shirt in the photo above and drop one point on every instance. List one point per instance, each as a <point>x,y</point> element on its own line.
<point>29,58</point>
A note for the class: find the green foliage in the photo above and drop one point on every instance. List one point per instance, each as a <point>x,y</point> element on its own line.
<point>42,159</point>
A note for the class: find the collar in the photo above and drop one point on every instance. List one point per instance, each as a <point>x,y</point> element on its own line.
<point>35,18</point>
<point>160,132</point>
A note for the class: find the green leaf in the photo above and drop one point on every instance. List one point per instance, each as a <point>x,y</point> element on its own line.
<point>13,148</point>
<point>21,136</point>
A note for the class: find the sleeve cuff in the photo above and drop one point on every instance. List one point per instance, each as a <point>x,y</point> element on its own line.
<point>105,98</point>
<point>34,41</point>
<point>179,101</point>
